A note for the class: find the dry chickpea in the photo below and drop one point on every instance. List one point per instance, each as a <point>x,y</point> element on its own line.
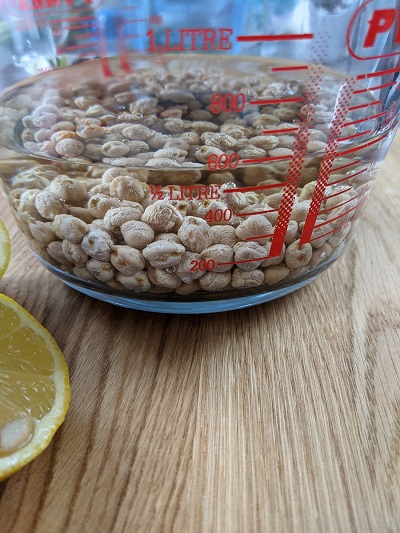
<point>195,234</point>
<point>163,254</point>
<point>137,234</point>
<point>138,282</point>
<point>101,270</point>
<point>243,279</point>
<point>255,227</point>
<point>54,249</point>
<point>249,255</point>
<point>117,216</point>
<point>83,273</point>
<point>274,274</point>
<point>161,216</point>
<point>298,255</point>
<point>162,278</point>
<point>219,253</point>
<point>49,204</point>
<point>128,188</point>
<point>99,204</point>
<point>97,244</point>
<point>74,253</point>
<point>69,190</point>
<point>70,228</point>
<point>213,281</point>
<point>42,232</point>
<point>127,260</point>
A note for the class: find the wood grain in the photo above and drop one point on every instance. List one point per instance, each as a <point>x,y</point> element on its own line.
<point>280,418</point>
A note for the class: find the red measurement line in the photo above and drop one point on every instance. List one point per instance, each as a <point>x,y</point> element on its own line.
<point>282,37</point>
<point>345,179</point>
<point>335,230</point>
<point>337,218</point>
<point>357,148</point>
<point>335,169</point>
<point>276,101</point>
<point>77,27</point>
<point>69,19</point>
<point>266,159</point>
<point>86,35</point>
<point>244,261</point>
<point>366,118</point>
<point>337,193</point>
<point>257,212</point>
<point>288,69</point>
<point>354,136</point>
<point>383,86</point>
<point>122,51</point>
<point>43,11</point>
<point>377,74</point>
<point>277,132</point>
<point>256,188</point>
<point>259,237</point>
<point>80,46</point>
<point>362,106</point>
<point>336,206</point>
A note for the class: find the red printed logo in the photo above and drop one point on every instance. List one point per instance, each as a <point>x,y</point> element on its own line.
<point>376,27</point>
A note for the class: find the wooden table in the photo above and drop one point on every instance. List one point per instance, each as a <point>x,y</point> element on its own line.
<point>280,418</point>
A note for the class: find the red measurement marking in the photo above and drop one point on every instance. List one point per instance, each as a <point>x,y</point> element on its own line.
<point>223,161</point>
<point>282,37</point>
<point>362,106</point>
<point>289,69</point>
<point>257,212</point>
<point>335,169</point>
<point>339,216</point>
<point>103,49</point>
<point>69,19</point>
<point>357,148</point>
<point>244,261</point>
<point>81,27</point>
<point>378,73</point>
<point>86,35</point>
<point>354,136</point>
<point>277,132</point>
<point>80,46</point>
<point>328,233</point>
<point>347,177</point>
<point>259,237</point>
<point>227,102</point>
<point>336,206</point>
<point>122,51</point>
<point>274,102</point>
<point>383,86</point>
<point>44,11</point>
<point>256,188</point>
<point>366,118</point>
<point>266,159</point>
<point>337,193</point>
<point>326,165</point>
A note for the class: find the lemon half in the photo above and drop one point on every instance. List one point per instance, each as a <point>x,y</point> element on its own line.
<point>34,387</point>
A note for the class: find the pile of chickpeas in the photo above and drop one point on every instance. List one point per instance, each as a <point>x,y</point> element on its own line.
<point>101,198</point>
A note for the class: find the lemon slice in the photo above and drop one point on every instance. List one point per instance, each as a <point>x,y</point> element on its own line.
<point>5,248</point>
<point>34,387</point>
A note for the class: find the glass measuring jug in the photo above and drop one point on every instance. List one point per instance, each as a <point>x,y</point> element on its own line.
<point>194,158</point>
